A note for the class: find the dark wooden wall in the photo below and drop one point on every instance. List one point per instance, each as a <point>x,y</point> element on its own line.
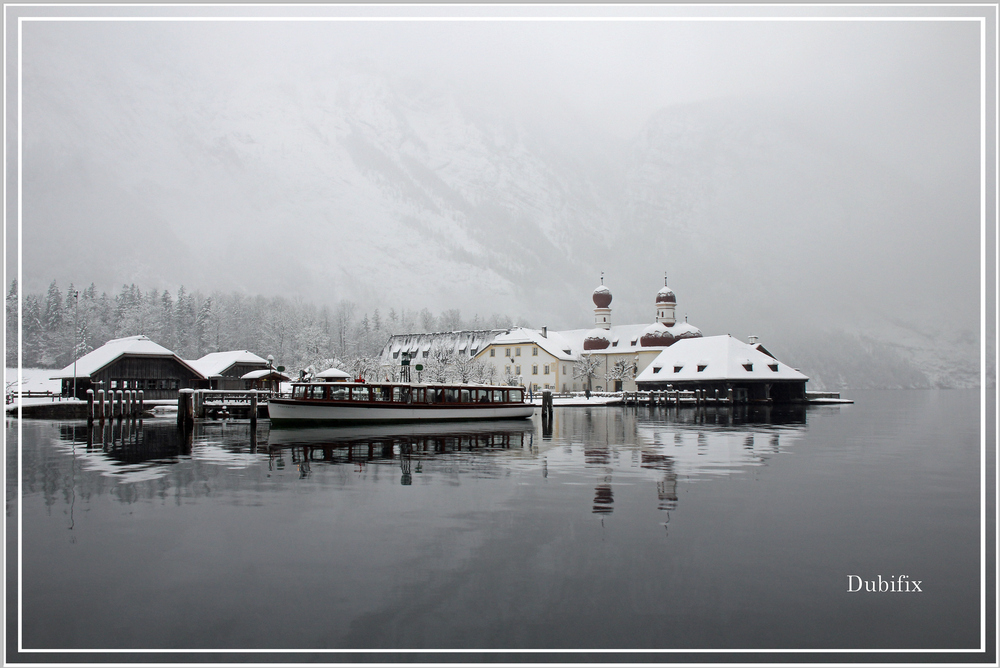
<point>157,377</point>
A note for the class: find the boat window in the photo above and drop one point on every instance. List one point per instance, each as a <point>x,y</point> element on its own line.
<point>382,393</point>
<point>465,398</point>
<point>359,394</point>
<point>451,395</point>
<point>316,391</point>
<point>482,396</point>
<point>298,392</point>
<point>418,395</point>
<point>435,395</point>
<point>339,393</point>
<point>401,394</point>
<point>515,396</point>
<point>498,396</point>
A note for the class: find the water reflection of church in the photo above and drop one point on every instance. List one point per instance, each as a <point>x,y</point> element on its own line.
<point>676,445</point>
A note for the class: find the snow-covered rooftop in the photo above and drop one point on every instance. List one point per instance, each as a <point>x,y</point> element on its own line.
<point>625,338</point>
<point>260,373</point>
<point>720,358</point>
<point>214,364</point>
<point>464,342</point>
<point>332,373</point>
<point>99,358</point>
<point>553,342</point>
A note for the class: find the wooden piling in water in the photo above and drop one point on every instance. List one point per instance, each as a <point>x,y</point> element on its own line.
<point>90,407</point>
<point>253,409</point>
<point>185,408</point>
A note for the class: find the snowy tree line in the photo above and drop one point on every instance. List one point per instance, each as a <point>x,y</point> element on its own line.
<point>61,325</point>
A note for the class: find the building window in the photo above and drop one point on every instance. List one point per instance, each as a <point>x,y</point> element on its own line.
<point>748,366</point>
<point>564,369</point>
<point>701,367</point>
<point>506,352</point>
<point>546,369</point>
<point>633,342</point>
<point>534,351</point>
<point>427,354</point>
<point>517,352</point>
<point>517,369</point>
<point>506,369</point>
<point>678,367</point>
<point>614,344</point>
<point>656,369</point>
<point>534,369</point>
<point>493,352</point>
<point>773,367</point>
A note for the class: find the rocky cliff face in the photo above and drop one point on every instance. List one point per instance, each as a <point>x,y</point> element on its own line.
<point>386,193</point>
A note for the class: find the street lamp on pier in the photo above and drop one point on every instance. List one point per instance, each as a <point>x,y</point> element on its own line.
<point>76,314</point>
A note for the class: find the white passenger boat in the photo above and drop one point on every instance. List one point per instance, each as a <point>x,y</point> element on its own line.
<point>326,402</point>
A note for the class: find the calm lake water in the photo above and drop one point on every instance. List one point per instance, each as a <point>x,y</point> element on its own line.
<point>625,528</point>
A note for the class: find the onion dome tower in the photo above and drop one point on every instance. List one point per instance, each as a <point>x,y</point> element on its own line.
<point>666,303</point>
<point>602,302</point>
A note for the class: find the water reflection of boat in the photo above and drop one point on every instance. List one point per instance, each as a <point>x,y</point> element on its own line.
<point>358,445</point>
<point>332,403</point>
<point>282,435</point>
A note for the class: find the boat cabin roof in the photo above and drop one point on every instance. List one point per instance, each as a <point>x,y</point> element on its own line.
<point>471,386</point>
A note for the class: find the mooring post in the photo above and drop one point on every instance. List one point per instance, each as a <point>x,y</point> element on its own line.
<point>253,409</point>
<point>100,405</point>
<point>90,407</point>
<point>185,407</point>
<point>729,396</point>
<point>140,403</point>
<point>546,404</point>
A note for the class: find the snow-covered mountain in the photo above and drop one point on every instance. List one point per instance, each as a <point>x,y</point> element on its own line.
<point>374,189</point>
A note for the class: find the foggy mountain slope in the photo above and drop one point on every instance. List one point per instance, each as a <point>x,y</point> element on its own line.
<point>774,230</point>
<point>388,193</point>
<point>351,190</point>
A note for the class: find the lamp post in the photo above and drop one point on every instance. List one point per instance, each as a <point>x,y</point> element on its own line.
<point>76,313</point>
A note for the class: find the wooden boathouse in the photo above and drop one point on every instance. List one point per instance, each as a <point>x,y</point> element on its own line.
<point>227,370</point>
<point>130,363</point>
<point>726,368</point>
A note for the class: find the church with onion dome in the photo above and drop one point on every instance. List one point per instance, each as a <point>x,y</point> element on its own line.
<point>549,359</point>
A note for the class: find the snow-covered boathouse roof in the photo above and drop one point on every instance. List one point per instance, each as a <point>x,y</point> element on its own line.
<point>97,359</point>
<point>716,358</point>
<point>216,364</point>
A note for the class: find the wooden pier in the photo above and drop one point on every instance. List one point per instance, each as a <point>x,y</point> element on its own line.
<point>216,404</point>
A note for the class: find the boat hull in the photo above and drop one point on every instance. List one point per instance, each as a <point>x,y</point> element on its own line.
<point>290,411</point>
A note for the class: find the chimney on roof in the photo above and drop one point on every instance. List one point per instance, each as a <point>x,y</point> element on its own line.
<point>545,331</point>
